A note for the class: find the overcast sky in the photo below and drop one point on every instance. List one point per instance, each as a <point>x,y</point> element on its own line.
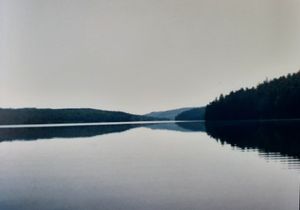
<point>141,55</point>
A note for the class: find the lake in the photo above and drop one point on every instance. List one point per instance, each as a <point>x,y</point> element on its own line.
<point>159,166</point>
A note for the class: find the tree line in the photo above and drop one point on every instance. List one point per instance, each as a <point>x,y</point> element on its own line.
<point>275,99</point>
<point>46,116</point>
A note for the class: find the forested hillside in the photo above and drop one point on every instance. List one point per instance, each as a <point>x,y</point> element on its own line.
<point>275,99</point>
<point>192,114</point>
<point>45,116</point>
<point>168,114</point>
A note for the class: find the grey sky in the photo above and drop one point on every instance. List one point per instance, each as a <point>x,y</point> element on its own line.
<point>141,55</point>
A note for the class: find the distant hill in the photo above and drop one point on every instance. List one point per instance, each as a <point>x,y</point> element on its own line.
<point>46,116</point>
<point>275,99</point>
<point>192,114</point>
<point>168,114</point>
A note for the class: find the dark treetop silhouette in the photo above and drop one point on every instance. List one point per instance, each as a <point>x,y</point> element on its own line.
<point>275,99</point>
<point>46,116</point>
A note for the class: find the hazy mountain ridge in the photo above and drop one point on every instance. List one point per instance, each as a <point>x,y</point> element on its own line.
<point>168,114</point>
<point>192,114</point>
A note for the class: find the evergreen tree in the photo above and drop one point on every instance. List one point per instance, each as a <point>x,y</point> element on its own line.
<point>275,99</point>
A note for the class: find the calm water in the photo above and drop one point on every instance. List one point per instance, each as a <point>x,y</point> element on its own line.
<point>181,166</point>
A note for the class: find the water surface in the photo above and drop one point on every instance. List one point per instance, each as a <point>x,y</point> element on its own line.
<point>150,166</point>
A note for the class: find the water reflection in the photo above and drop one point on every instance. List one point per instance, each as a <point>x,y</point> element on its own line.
<point>35,133</point>
<point>274,140</point>
<point>278,141</point>
<point>192,126</point>
<point>288,162</point>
